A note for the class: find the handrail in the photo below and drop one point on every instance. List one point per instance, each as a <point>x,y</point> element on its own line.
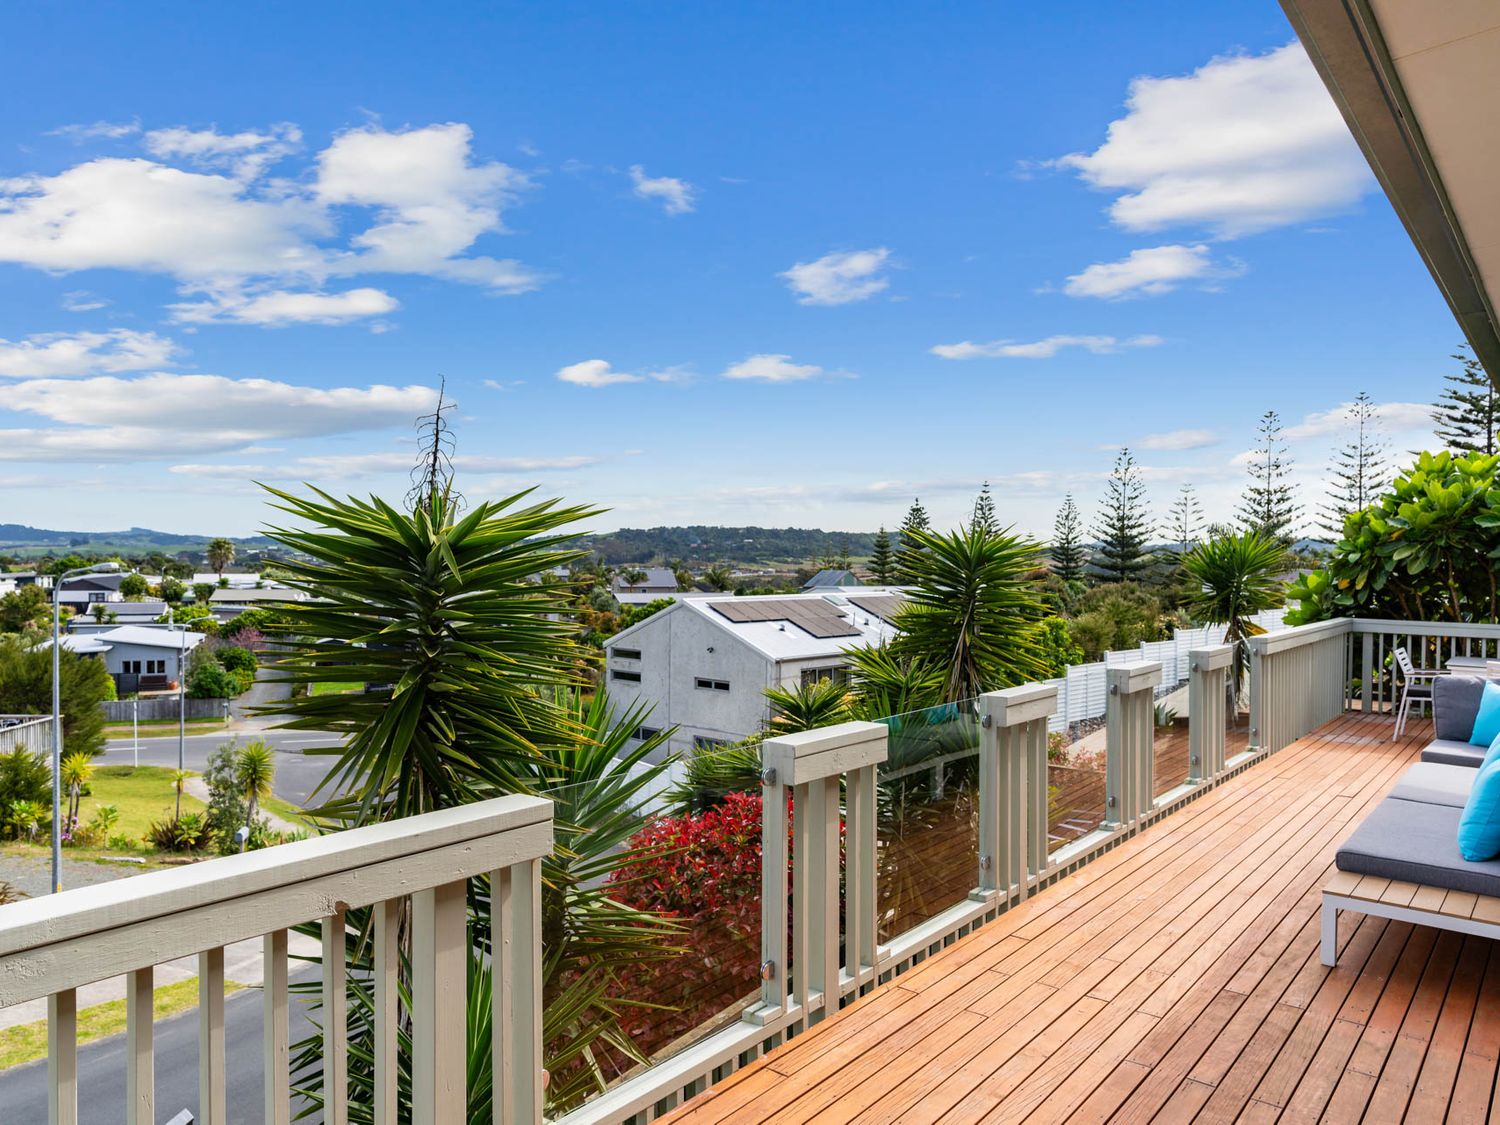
<point>1299,635</point>
<point>1485,629</point>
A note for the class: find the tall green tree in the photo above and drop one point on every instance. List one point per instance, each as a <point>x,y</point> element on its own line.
<point>883,559</point>
<point>220,554</point>
<point>1359,469</point>
<point>26,689</point>
<point>1185,519</point>
<point>973,611</point>
<point>984,511</point>
<point>915,523</point>
<point>1467,413</point>
<point>1270,502</point>
<point>1124,525</point>
<point>1067,551</point>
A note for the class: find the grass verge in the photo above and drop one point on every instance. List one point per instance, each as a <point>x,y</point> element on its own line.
<point>27,1042</point>
<point>142,794</point>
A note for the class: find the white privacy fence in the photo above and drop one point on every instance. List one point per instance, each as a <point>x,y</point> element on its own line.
<point>1084,691</point>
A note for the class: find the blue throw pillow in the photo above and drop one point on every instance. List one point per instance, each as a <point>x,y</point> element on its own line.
<point>1492,754</point>
<point>1479,827</point>
<point>1487,721</point>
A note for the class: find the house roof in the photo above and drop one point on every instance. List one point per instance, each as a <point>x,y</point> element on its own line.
<point>255,594</point>
<point>832,578</point>
<point>656,576</point>
<point>147,636</point>
<point>777,635</point>
<point>84,644</point>
<point>1415,82</point>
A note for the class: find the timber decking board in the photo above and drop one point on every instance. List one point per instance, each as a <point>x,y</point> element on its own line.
<point>1176,977</point>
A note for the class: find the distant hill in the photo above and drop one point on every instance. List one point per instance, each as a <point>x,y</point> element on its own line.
<point>701,543</point>
<point>16,538</point>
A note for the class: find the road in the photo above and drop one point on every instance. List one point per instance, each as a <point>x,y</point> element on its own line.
<point>101,1068</point>
<point>298,773</point>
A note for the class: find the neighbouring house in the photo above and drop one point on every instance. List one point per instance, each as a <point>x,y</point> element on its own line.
<point>832,580</point>
<point>703,665</point>
<point>233,580</point>
<point>255,595</point>
<point>84,590</point>
<point>115,614</point>
<point>12,581</point>
<point>659,582</point>
<point>139,657</point>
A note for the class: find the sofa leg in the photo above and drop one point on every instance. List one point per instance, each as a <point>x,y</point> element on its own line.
<point>1330,934</point>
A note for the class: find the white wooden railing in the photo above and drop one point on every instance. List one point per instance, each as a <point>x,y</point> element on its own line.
<point>50,947</point>
<point>1298,681</point>
<point>1373,682</point>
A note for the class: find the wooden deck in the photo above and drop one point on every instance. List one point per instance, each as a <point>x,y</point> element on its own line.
<point>1175,978</point>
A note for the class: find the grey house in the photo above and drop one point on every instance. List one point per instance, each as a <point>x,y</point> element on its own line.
<point>139,657</point>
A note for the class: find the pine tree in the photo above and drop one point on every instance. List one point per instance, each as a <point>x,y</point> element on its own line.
<point>1186,515</point>
<point>1270,503</point>
<point>1359,468</point>
<point>843,554</point>
<point>1468,413</point>
<point>1124,525</point>
<point>1068,555</point>
<point>984,512</point>
<point>883,559</point>
<point>916,520</point>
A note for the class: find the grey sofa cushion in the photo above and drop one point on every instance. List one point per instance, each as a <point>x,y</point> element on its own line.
<point>1435,784</point>
<point>1417,843</point>
<point>1450,753</point>
<point>1455,703</point>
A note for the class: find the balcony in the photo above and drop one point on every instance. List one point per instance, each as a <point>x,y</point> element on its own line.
<point>1141,942</point>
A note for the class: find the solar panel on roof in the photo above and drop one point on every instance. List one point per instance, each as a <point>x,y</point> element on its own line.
<point>884,606</point>
<point>814,617</point>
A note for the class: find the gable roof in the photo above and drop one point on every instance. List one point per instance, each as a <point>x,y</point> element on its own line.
<point>832,578</point>
<point>147,636</point>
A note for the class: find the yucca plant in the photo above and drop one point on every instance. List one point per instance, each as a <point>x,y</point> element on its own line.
<point>1233,578</point>
<point>972,611</point>
<point>255,770</point>
<point>453,623</point>
<point>807,706</point>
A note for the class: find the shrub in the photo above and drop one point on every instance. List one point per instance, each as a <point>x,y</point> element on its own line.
<point>186,833</point>
<point>236,658</point>
<point>119,842</point>
<point>26,777</point>
<point>26,689</point>
<point>210,680</point>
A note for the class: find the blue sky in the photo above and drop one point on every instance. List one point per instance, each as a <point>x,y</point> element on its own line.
<point>775,264</point>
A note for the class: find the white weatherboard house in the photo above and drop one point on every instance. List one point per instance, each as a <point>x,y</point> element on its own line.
<point>703,665</point>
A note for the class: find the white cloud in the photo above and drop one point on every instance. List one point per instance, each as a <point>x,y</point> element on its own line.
<point>1245,143</point>
<point>772,369</point>
<point>416,201</point>
<point>344,466</point>
<point>596,373</point>
<point>1395,417</point>
<point>1150,273</point>
<point>1042,349</point>
<point>163,416</point>
<point>839,278</point>
<point>108,130</point>
<point>1177,440</point>
<point>677,197</point>
<point>248,153</point>
<point>59,354</point>
<point>280,307</point>
<point>81,300</point>
<point>599,373</point>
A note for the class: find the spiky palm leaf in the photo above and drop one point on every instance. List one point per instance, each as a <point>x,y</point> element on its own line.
<point>807,706</point>
<point>1235,577</point>
<point>455,629</point>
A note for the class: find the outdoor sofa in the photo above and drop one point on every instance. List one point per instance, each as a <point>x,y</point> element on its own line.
<point>1403,862</point>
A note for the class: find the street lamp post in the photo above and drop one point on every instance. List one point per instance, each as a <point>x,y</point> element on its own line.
<point>97,568</point>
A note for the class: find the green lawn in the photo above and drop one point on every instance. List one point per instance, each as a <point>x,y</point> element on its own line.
<point>337,687</point>
<point>27,1042</point>
<point>157,726</point>
<point>143,794</point>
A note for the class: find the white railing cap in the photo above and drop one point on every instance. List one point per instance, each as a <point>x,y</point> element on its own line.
<point>1011,707</point>
<point>1212,658</point>
<point>1300,635</point>
<point>825,752</point>
<point>1136,676</point>
<point>161,894</point>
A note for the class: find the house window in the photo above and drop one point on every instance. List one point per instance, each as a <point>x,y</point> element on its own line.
<point>627,653</point>
<point>156,667</point>
<point>96,596</point>
<point>711,685</point>
<point>130,667</point>
<point>702,743</point>
<point>835,672</point>
<point>628,677</point>
<point>643,733</point>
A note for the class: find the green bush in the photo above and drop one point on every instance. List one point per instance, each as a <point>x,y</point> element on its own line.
<point>187,833</point>
<point>210,680</point>
<point>24,776</point>
<point>26,689</point>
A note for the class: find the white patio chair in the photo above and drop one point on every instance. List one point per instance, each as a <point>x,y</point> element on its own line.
<point>1416,686</point>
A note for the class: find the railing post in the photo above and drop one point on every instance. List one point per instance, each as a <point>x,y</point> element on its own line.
<point>439,970</point>
<point>1367,673</point>
<point>1128,733</point>
<point>516,992</point>
<point>1013,789</point>
<point>810,765</point>
<point>1208,685</point>
<point>1257,736</point>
